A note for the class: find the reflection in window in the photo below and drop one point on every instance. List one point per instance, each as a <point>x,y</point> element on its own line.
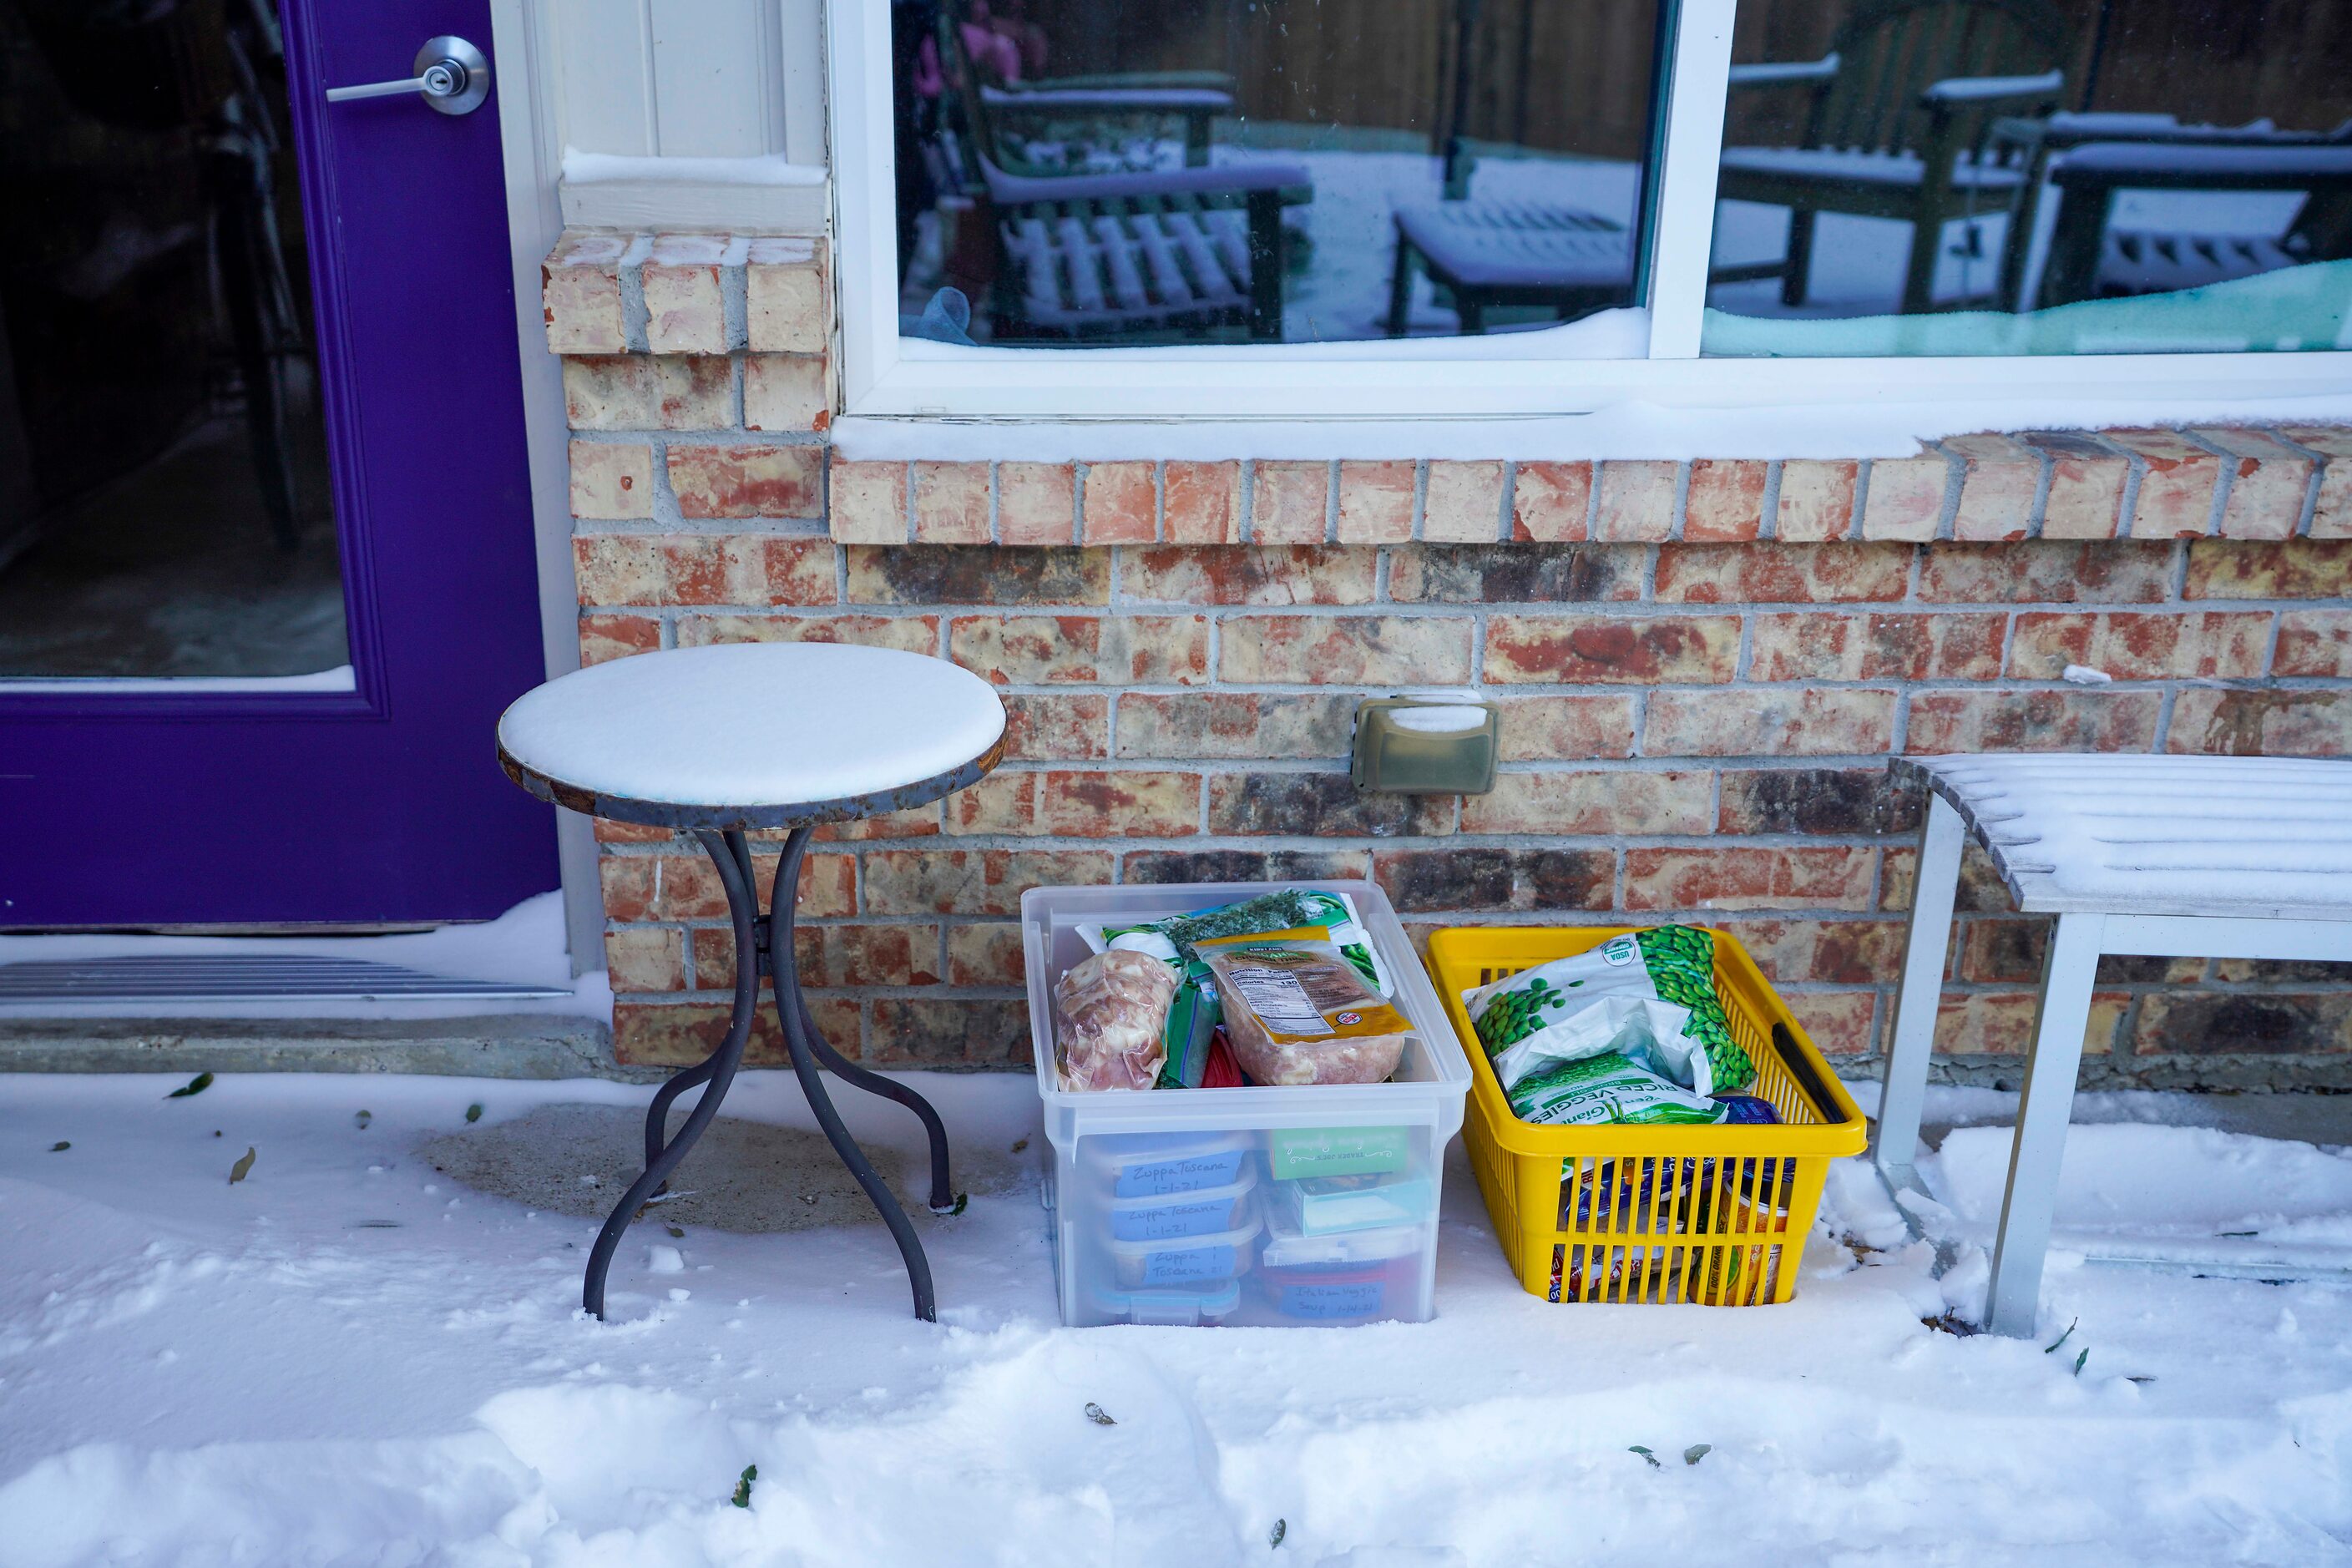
<point>1101,173</point>
<point>2034,176</point>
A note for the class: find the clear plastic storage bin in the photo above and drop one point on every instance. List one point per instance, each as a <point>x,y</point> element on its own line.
<point>1312,1204</point>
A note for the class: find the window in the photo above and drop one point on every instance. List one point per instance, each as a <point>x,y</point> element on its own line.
<point>1280,208</point>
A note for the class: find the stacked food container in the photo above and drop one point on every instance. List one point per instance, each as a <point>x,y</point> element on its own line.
<point>1304,1203</point>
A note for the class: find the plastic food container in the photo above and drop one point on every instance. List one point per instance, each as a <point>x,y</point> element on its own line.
<point>1156,1165</point>
<point>1190,1262</point>
<point>1112,1151</point>
<point>1354,1276</point>
<point>1324,1206</point>
<point>1712,1215</point>
<point>1202,1213</point>
<point>1182,1308</point>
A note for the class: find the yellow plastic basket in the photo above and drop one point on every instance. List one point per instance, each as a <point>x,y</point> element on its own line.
<point>1711,1214</point>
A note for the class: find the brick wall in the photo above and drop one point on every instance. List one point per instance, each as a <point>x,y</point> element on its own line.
<point>1701,669</point>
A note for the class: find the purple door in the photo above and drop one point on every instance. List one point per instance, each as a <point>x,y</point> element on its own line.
<point>266,558</point>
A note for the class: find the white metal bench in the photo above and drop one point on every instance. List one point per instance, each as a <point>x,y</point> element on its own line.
<point>2202,857</point>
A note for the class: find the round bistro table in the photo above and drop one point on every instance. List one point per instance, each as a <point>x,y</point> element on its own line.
<point>722,741</point>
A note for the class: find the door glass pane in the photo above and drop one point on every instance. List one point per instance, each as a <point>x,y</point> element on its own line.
<point>1079,174</point>
<point>164,507</point>
<point>2034,176</point>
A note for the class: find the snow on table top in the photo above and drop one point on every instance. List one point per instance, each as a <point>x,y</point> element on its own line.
<point>761,724</point>
<point>2144,834</point>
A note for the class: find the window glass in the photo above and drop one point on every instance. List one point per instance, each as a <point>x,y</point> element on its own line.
<point>2034,176</point>
<point>1106,173</point>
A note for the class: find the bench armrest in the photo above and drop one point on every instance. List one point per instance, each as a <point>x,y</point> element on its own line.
<point>1210,180</point>
<point>1954,91</point>
<point>1137,101</point>
<point>1777,73</point>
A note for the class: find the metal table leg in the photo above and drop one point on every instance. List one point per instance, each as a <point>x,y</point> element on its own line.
<point>944,1199</point>
<point>793,1009</point>
<point>661,1156</point>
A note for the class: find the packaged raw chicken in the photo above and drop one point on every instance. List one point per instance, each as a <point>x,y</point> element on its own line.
<point>1299,1011</point>
<point>1109,1012</point>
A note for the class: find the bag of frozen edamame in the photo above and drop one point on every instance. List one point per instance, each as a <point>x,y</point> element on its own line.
<point>1640,1008</point>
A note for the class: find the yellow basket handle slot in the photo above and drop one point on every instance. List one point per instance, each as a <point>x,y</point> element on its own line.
<point>1801,1067</point>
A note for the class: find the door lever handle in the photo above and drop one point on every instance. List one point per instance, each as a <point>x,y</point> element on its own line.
<point>451,75</point>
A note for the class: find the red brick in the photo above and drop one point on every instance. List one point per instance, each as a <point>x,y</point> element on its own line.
<point>1282,575</point>
<point>1999,479</point>
<point>611,479</point>
<point>868,503</point>
<point>1290,502</point>
<point>1637,502</point>
<point>1565,729</point>
<point>1121,503</point>
<point>1781,573</point>
<point>2268,481</point>
<point>702,569</point>
<point>1464,505</point>
<point>1036,503</point>
<point>2228,645</point>
<point>1756,721</point>
<point>2316,642</point>
<point>644,958</point>
<point>1816,500</point>
<point>2331,514</point>
<point>1818,645</point>
<point>1344,649</point>
<point>580,294</point>
<point>681,1034</point>
<point>909,633</point>
<point>1839,1023</point>
<point>1202,502</point>
<point>1820,876</point>
<point>1426,881</point>
<point>2176,484</point>
<point>1004,802</point>
<point>679,280</point>
<point>1823,952</point>
<point>834,955</point>
<point>2044,571</point>
<point>2000,1023</point>
<point>1048,650</point>
<point>973,881</point>
<point>1575,650</point>
<point>932,574</point>
<point>786,392</point>
<point>1593,804</point>
<point>2087,480</point>
<point>914,822</point>
<point>1550,500</point>
<point>951,503</point>
<point>2263,723</point>
<point>1044,729</point>
<point>1517,574</point>
<point>1905,497</point>
<point>1726,500</point>
<point>784,295</point>
<point>965,1032</point>
<point>746,481</point>
<point>2289,569</point>
<point>687,887</point>
<point>1126,804</point>
<point>646,392</point>
<point>2033,721</point>
<point>1319,805</point>
<point>1235,724</point>
<point>603,638</point>
<point>984,955</point>
<point>1816,800</point>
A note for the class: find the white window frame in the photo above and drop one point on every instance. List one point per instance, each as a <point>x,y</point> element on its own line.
<point>885,376</point>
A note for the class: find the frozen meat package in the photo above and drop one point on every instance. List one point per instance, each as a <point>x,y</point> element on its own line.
<point>1109,1012</point>
<point>1299,1011</point>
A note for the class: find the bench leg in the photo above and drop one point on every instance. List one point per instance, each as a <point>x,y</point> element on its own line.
<point>2048,1104</point>
<point>1401,288</point>
<point>1913,1037</point>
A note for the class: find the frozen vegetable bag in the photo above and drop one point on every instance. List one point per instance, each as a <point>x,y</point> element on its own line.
<point>1648,995</point>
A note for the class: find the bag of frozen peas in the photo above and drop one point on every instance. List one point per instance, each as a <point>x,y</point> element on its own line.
<point>1647,995</point>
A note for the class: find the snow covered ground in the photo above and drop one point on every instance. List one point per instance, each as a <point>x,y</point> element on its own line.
<point>347,1357</point>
